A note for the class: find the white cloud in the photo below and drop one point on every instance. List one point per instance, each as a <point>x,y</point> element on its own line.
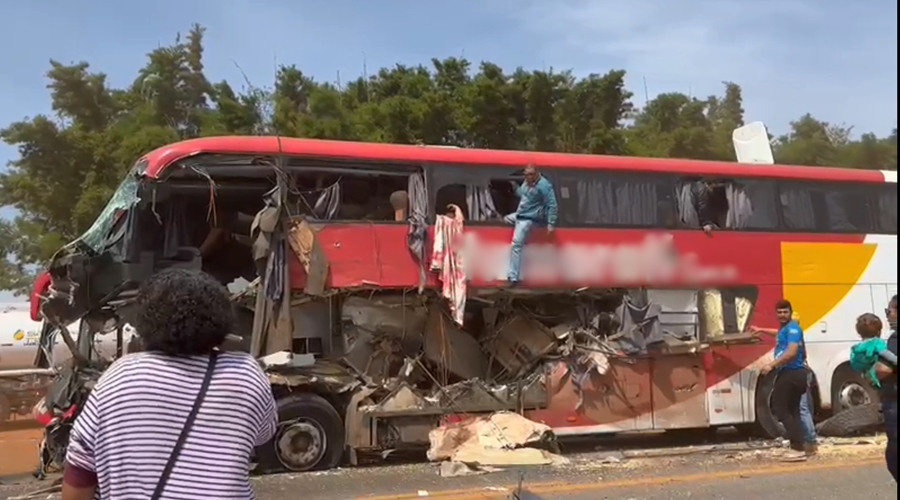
<point>835,60</point>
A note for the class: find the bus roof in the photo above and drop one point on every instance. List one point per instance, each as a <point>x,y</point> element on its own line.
<point>161,158</point>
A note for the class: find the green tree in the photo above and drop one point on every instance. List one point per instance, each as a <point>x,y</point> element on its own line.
<point>70,162</point>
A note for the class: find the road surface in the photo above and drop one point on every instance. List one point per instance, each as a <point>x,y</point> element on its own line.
<point>859,473</point>
<point>844,469</point>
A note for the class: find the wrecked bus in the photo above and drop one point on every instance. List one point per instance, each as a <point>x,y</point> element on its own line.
<point>377,307</point>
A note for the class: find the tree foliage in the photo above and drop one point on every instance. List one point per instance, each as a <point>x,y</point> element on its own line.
<point>69,163</point>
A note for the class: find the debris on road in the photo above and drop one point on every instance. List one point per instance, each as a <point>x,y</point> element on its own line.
<point>502,438</point>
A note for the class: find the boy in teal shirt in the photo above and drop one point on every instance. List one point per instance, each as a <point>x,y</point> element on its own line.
<point>872,349</point>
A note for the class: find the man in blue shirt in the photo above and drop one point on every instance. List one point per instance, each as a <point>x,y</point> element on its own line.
<point>887,375</point>
<point>537,205</point>
<point>791,379</point>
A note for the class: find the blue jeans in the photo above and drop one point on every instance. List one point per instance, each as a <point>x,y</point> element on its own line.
<point>889,410</point>
<point>806,418</point>
<point>520,234</point>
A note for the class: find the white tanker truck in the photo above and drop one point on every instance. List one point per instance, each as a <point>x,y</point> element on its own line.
<point>21,384</point>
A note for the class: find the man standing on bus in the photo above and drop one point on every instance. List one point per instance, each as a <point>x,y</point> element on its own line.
<point>888,392</point>
<point>537,205</point>
<point>791,380</point>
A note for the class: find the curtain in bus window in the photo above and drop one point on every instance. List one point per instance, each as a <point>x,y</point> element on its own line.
<point>751,205</point>
<point>887,211</point>
<point>480,203</point>
<point>176,230</point>
<point>838,215</point>
<point>329,201</point>
<point>798,209</point>
<point>636,204</point>
<point>415,236</point>
<point>596,202</point>
<point>686,209</point>
<point>740,209</point>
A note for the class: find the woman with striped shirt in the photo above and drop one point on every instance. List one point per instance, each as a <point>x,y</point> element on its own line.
<point>180,420</point>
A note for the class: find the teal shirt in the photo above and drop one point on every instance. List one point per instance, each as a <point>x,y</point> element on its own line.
<point>864,355</point>
<point>537,203</point>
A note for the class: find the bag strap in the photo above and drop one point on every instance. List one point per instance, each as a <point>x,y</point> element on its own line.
<point>192,416</point>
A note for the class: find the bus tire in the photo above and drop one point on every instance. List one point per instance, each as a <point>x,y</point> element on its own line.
<point>310,436</point>
<point>766,425</point>
<point>850,389</point>
<point>853,421</point>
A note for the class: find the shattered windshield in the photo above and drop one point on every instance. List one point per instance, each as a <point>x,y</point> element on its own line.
<point>125,196</point>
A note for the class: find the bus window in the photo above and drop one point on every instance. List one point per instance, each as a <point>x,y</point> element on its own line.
<point>848,209</point>
<point>886,209</point>
<point>483,194</point>
<point>797,208</point>
<point>751,205</point>
<point>616,199</point>
<point>837,208</point>
<point>351,196</point>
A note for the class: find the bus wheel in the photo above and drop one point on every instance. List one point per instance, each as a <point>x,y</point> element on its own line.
<point>766,425</point>
<point>849,390</point>
<point>310,436</point>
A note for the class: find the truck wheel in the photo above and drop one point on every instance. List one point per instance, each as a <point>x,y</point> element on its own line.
<point>856,420</point>
<point>850,389</point>
<point>310,436</point>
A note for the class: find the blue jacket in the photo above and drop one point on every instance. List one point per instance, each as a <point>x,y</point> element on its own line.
<point>537,203</point>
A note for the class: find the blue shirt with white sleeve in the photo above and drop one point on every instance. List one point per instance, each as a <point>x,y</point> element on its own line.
<point>791,333</point>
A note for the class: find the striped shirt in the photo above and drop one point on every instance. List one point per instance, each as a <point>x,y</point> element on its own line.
<point>134,415</point>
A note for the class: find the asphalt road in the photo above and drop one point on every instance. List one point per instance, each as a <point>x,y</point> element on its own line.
<point>839,472</point>
<point>848,469</point>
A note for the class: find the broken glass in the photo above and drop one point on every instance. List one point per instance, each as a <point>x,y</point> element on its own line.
<point>124,198</point>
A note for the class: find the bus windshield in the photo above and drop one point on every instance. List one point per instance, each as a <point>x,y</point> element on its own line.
<point>125,196</point>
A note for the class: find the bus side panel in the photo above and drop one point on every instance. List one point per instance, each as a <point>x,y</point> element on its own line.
<point>618,401</point>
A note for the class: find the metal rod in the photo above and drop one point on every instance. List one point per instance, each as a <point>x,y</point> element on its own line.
<point>26,372</point>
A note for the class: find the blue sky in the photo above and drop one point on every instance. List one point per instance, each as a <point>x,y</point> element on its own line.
<point>834,59</point>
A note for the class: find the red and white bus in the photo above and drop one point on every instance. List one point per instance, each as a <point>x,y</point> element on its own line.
<point>823,238</point>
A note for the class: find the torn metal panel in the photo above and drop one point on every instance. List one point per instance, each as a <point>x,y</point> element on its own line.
<point>678,387</point>
<point>401,399</point>
<point>638,327</point>
<point>388,315</point>
<point>287,359</point>
<point>520,343</point>
<point>272,322</point>
<point>679,311</point>
<point>405,431</point>
<point>453,349</point>
<point>311,322</point>
<point>621,396</point>
<point>309,252</point>
<point>468,396</point>
<point>477,395</point>
<point>379,333</point>
<point>330,375</point>
<point>373,356</point>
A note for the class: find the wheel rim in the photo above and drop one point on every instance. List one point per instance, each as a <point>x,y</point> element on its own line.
<point>300,444</point>
<point>853,394</point>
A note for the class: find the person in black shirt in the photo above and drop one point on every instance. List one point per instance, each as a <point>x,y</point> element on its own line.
<point>887,374</point>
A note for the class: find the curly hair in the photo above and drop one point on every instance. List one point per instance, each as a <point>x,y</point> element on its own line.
<point>868,326</point>
<point>183,313</point>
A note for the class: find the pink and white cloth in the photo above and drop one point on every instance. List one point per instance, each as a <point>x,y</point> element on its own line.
<point>446,258</point>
